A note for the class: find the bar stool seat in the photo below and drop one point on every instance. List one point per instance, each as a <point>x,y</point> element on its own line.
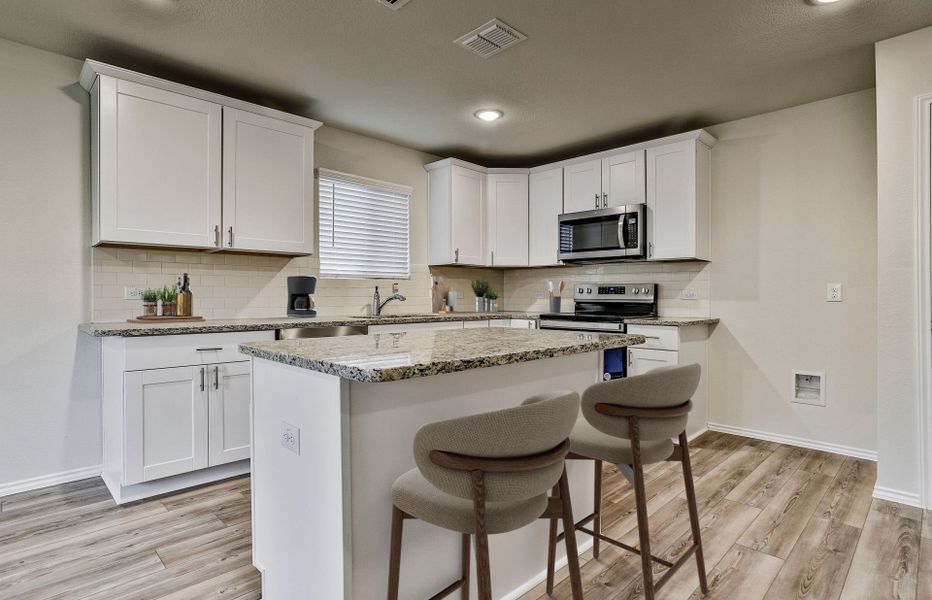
<point>589,442</point>
<point>417,497</point>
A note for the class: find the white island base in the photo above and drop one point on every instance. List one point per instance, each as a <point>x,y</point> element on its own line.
<point>322,517</point>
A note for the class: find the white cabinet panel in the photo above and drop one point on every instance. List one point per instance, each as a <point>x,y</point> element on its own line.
<point>228,429</point>
<point>545,203</point>
<point>165,422</point>
<point>467,212</point>
<point>507,217</point>
<point>658,337</point>
<point>475,324</point>
<point>582,186</point>
<point>677,201</point>
<point>402,327</point>
<point>158,166</point>
<point>642,360</point>
<point>624,179</point>
<point>268,183</point>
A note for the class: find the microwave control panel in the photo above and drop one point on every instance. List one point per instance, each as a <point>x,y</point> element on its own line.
<point>631,235</point>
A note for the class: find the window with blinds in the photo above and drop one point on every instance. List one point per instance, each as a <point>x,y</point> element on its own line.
<point>364,227</point>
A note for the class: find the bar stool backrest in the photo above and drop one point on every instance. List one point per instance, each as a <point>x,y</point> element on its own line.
<point>523,431</point>
<point>661,388</point>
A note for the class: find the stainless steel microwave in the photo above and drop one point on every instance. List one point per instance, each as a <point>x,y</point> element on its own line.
<point>603,235</point>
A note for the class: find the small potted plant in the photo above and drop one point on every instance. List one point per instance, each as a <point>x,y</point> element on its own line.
<point>480,289</point>
<point>150,301</point>
<point>167,297</point>
<point>492,297</point>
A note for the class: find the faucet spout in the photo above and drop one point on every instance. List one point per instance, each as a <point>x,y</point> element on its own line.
<point>380,306</point>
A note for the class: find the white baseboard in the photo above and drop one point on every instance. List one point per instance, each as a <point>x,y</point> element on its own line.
<point>34,483</point>
<point>796,441</point>
<point>898,496</point>
<point>533,582</point>
<point>693,436</point>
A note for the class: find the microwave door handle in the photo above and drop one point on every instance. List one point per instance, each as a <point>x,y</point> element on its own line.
<point>623,232</point>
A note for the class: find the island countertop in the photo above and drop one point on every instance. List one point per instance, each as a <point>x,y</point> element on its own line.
<point>396,356</point>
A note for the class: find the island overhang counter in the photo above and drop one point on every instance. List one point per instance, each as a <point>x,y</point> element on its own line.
<point>333,423</point>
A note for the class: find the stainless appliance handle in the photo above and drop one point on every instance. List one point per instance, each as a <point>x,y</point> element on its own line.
<point>622,234</point>
<point>581,326</point>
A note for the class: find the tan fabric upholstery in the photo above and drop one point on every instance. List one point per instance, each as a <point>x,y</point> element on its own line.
<point>588,441</point>
<point>419,498</point>
<point>521,431</point>
<point>665,387</point>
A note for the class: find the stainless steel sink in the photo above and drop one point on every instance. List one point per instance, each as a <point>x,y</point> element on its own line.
<point>292,333</point>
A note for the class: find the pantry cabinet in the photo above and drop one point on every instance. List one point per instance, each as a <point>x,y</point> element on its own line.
<point>679,201</point>
<point>180,167</point>
<point>507,219</point>
<point>545,203</point>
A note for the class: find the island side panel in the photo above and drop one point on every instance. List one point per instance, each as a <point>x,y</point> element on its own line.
<point>384,418</point>
<point>300,541</point>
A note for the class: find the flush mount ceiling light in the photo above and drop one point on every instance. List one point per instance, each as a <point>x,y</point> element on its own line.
<point>821,2</point>
<point>488,114</point>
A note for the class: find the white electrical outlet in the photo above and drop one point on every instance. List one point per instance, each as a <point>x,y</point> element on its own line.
<point>132,293</point>
<point>833,292</point>
<point>291,438</point>
<point>689,295</point>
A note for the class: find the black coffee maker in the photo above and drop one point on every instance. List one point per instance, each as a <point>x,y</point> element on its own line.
<point>300,289</point>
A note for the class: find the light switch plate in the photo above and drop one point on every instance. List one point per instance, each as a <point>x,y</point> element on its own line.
<point>833,292</point>
<point>291,438</point>
<point>689,295</point>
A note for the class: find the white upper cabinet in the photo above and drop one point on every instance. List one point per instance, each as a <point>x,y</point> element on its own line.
<point>456,215</point>
<point>268,184</point>
<point>156,158</point>
<point>624,179</point>
<point>545,203</point>
<point>679,201</point>
<point>582,186</point>
<point>507,219</point>
<point>177,166</point>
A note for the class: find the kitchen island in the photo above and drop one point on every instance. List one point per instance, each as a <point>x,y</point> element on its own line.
<point>333,424</point>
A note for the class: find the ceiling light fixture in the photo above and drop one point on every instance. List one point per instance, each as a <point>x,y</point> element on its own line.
<point>821,2</point>
<point>487,114</point>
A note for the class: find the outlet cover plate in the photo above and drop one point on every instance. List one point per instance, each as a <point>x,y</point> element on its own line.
<point>833,292</point>
<point>132,293</point>
<point>291,438</point>
<point>689,295</point>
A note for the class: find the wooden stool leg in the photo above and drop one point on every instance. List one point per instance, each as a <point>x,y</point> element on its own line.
<point>597,509</point>
<point>483,573</point>
<point>569,536</point>
<point>465,567</point>
<point>394,557</point>
<point>693,511</point>
<point>640,497</point>
<point>552,547</point>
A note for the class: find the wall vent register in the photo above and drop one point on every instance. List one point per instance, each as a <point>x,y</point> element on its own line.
<point>491,38</point>
<point>393,4</point>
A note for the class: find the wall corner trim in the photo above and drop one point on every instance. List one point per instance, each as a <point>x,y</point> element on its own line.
<point>35,483</point>
<point>796,441</point>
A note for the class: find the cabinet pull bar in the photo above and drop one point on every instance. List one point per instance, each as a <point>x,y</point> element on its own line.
<point>217,236</point>
<point>202,379</point>
<point>231,236</point>
<point>216,378</point>
<point>217,349</point>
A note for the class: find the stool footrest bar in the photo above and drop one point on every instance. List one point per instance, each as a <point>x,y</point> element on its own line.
<point>676,566</point>
<point>449,589</point>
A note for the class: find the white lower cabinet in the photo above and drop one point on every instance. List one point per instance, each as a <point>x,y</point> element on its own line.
<point>642,361</point>
<point>228,413</point>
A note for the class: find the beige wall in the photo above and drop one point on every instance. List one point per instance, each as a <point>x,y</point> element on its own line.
<point>794,207</point>
<point>903,73</point>
<point>49,373</point>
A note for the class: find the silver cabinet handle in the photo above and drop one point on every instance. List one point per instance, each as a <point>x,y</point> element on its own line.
<point>217,236</point>
<point>218,348</point>
<point>604,200</point>
<point>597,201</point>
<point>231,236</point>
<point>456,255</point>
<point>216,378</point>
<point>651,337</point>
<point>650,249</point>
<point>493,258</point>
<point>630,359</point>
<point>202,379</point>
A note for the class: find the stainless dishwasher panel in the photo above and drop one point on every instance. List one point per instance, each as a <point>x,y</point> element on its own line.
<point>293,333</point>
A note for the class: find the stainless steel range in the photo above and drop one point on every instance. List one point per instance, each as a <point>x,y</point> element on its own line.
<point>602,308</point>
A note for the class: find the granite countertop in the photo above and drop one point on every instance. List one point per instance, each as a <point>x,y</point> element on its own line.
<point>673,321</point>
<point>264,324</point>
<point>394,356</point>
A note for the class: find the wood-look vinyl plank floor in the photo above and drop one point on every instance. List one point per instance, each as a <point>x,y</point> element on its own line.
<point>777,523</point>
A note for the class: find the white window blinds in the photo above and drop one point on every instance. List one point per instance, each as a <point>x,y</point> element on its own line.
<point>364,227</point>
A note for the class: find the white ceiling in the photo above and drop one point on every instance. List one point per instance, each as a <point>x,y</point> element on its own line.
<point>593,73</point>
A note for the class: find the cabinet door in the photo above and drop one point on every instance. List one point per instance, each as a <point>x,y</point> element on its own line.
<point>228,412</point>
<point>467,211</point>
<point>158,166</point>
<point>268,184</point>
<point>165,414</point>
<point>545,203</point>
<point>671,201</point>
<point>507,218</point>
<point>642,361</point>
<point>624,179</point>
<point>582,186</point>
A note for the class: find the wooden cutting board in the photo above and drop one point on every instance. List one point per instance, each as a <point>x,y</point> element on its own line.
<point>145,319</point>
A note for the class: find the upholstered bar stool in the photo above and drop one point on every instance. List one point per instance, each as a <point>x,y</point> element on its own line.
<point>486,474</point>
<point>630,422</point>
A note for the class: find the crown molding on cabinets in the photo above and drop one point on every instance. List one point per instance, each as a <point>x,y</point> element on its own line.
<point>449,162</point>
<point>93,68</point>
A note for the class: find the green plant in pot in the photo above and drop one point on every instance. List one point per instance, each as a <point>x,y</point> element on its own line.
<point>167,296</point>
<point>479,289</point>
<point>492,297</point>
<point>150,301</point>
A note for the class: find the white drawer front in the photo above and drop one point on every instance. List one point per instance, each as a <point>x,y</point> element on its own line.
<point>659,337</point>
<point>400,327</point>
<point>476,324</point>
<point>162,351</point>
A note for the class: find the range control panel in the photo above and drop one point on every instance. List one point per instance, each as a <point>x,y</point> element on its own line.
<point>595,292</point>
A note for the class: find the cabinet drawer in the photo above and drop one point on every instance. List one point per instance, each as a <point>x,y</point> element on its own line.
<point>659,337</point>
<point>159,352</point>
<point>475,324</point>
<point>401,327</point>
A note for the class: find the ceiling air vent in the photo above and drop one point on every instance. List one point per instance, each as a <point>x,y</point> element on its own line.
<point>491,38</point>
<point>393,4</point>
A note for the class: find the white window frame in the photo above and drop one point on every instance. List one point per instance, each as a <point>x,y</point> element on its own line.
<point>383,186</point>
